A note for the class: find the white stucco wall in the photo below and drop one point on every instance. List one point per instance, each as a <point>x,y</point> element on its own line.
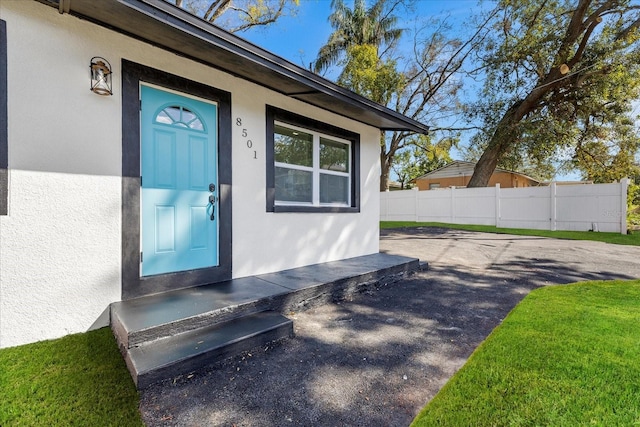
<point>60,245</point>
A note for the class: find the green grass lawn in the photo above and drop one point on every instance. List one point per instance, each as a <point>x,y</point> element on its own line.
<point>565,356</point>
<point>78,380</point>
<point>616,238</point>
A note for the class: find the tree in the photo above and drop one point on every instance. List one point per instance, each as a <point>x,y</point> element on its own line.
<point>358,36</point>
<point>542,168</point>
<point>606,152</point>
<point>366,74</point>
<point>376,26</point>
<point>432,81</point>
<point>426,87</point>
<point>238,15</point>
<point>420,158</point>
<point>553,69</point>
<point>412,91</point>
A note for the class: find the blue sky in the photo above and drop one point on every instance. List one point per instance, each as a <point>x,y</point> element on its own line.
<point>298,38</point>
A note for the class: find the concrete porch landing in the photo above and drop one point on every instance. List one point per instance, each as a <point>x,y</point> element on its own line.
<point>166,335</point>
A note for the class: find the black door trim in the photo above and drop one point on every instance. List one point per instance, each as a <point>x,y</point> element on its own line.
<point>132,284</point>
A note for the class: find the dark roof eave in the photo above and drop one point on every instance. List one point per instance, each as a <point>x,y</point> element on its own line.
<point>197,39</point>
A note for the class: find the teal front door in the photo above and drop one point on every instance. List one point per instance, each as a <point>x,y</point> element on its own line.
<point>179,182</point>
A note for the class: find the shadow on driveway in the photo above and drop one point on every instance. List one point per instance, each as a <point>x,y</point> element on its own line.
<point>377,359</point>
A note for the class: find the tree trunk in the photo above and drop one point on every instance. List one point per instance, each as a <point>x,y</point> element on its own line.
<point>385,169</point>
<point>506,133</point>
<point>485,167</point>
<point>503,139</point>
<point>386,160</point>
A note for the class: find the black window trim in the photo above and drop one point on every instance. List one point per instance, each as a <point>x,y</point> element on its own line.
<point>4,123</point>
<point>274,114</point>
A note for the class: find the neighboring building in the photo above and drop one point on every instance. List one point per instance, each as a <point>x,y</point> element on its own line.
<point>183,177</point>
<point>395,186</point>
<point>458,174</point>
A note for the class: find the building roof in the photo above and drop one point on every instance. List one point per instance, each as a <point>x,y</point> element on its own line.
<point>162,24</point>
<point>460,168</point>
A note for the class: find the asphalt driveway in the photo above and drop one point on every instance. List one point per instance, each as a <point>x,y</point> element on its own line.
<point>377,359</point>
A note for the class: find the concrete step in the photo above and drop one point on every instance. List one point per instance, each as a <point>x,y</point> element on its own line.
<point>149,318</point>
<point>153,317</point>
<point>176,332</point>
<point>186,352</point>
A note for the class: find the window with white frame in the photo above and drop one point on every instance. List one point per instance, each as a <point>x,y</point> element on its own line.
<point>311,166</point>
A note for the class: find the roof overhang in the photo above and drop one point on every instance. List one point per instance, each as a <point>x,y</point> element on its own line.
<point>164,25</point>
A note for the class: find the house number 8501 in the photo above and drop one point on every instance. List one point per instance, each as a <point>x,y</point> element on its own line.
<point>245,134</point>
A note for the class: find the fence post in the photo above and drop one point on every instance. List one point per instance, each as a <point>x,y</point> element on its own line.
<point>453,205</point>
<point>553,194</point>
<point>624,187</point>
<point>497,205</point>
<point>415,203</point>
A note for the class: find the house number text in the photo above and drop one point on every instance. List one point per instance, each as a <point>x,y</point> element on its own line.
<point>245,134</point>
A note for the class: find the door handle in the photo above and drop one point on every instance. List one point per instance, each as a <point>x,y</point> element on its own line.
<point>212,202</point>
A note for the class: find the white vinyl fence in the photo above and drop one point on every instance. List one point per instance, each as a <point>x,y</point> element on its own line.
<point>596,207</point>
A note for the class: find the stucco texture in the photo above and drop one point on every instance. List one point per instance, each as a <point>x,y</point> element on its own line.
<point>60,244</point>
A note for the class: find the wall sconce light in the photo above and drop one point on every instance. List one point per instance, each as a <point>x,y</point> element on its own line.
<point>100,76</point>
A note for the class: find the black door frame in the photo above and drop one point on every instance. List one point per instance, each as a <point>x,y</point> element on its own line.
<point>133,285</point>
